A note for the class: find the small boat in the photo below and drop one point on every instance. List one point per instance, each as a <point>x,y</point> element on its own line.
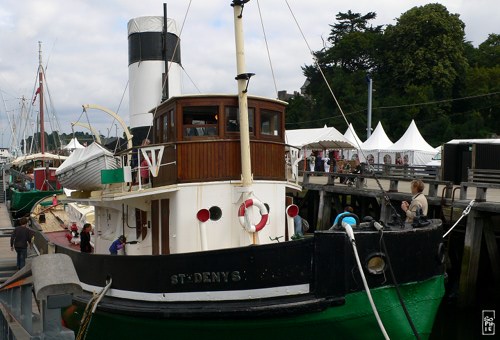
<point>213,246</point>
<point>82,169</point>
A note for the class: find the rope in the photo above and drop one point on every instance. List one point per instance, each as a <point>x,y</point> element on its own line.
<point>88,122</point>
<point>90,310</point>
<point>385,196</point>
<point>396,285</point>
<point>267,49</point>
<point>173,54</point>
<point>464,213</point>
<point>350,233</point>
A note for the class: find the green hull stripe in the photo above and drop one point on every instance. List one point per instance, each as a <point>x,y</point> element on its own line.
<point>354,320</point>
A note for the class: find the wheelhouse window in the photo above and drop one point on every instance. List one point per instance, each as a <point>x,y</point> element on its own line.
<point>166,127</point>
<point>158,134</point>
<point>270,123</point>
<point>233,119</point>
<point>200,121</point>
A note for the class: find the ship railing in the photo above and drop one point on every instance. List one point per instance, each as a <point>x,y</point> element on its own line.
<point>52,281</point>
<point>292,160</point>
<point>132,180</point>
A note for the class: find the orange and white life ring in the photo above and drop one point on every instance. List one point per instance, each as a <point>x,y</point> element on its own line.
<point>251,228</point>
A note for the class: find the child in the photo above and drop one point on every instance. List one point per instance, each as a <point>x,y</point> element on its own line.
<point>117,245</point>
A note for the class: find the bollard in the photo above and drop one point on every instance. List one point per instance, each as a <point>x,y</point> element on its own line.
<point>54,282</point>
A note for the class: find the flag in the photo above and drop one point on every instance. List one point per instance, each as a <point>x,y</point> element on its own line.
<point>36,93</point>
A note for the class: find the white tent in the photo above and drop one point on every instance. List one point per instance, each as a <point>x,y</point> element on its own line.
<point>319,139</point>
<point>412,147</point>
<point>373,146</point>
<point>73,144</point>
<point>352,137</point>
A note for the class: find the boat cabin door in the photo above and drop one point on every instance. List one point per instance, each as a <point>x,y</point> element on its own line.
<point>160,211</point>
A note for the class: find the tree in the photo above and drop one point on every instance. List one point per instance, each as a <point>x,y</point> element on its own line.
<point>489,52</point>
<point>425,47</point>
<point>423,69</point>
<point>353,42</point>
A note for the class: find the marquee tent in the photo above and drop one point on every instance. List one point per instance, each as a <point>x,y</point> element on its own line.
<point>352,136</point>
<point>371,148</point>
<point>73,144</point>
<point>412,147</point>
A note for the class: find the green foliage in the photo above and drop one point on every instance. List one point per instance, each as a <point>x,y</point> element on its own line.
<point>489,51</point>
<point>423,69</point>
<point>426,47</point>
<point>54,140</point>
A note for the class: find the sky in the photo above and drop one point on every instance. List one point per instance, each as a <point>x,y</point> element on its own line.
<point>85,48</point>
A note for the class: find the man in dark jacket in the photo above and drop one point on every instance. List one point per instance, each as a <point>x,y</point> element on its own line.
<point>20,239</point>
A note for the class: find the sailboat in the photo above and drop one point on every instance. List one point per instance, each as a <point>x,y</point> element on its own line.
<point>212,247</point>
<point>27,189</point>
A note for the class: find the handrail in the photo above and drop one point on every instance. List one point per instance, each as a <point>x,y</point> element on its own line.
<point>483,176</point>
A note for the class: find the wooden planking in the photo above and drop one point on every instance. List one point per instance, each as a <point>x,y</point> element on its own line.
<point>220,160</point>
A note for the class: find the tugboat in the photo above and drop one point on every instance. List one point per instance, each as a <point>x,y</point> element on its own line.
<point>210,246</point>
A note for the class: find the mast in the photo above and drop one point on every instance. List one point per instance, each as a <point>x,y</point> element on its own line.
<point>40,91</point>
<point>166,95</point>
<point>243,79</point>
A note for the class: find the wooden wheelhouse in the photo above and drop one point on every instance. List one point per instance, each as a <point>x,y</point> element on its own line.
<point>201,139</point>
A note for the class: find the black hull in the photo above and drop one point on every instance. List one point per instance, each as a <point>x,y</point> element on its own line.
<point>323,267</point>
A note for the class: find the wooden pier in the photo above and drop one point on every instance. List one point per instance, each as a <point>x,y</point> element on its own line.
<point>8,258</point>
<point>446,201</point>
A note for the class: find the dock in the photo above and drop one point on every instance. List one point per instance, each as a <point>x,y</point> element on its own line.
<point>31,298</point>
<point>479,226</point>
<point>8,258</point>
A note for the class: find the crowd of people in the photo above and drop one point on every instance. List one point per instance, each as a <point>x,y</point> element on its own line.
<point>318,163</point>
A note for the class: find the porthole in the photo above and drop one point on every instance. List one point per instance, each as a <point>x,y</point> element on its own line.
<point>215,213</point>
<point>376,264</point>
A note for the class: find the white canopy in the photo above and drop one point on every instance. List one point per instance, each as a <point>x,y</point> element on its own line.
<point>378,140</point>
<point>319,138</point>
<point>352,137</point>
<point>371,148</point>
<point>412,140</point>
<point>37,156</point>
<point>73,144</point>
<point>411,148</point>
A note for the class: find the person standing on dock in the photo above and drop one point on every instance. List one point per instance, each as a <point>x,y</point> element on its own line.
<point>418,201</point>
<point>326,161</point>
<point>19,240</point>
<point>312,162</point>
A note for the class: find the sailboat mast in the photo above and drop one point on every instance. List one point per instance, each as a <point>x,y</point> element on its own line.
<point>242,78</point>
<point>40,91</point>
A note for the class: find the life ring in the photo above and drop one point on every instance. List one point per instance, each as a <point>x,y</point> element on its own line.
<point>251,228</point>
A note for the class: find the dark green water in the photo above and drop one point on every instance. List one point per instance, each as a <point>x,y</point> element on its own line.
<point>456,323</point>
